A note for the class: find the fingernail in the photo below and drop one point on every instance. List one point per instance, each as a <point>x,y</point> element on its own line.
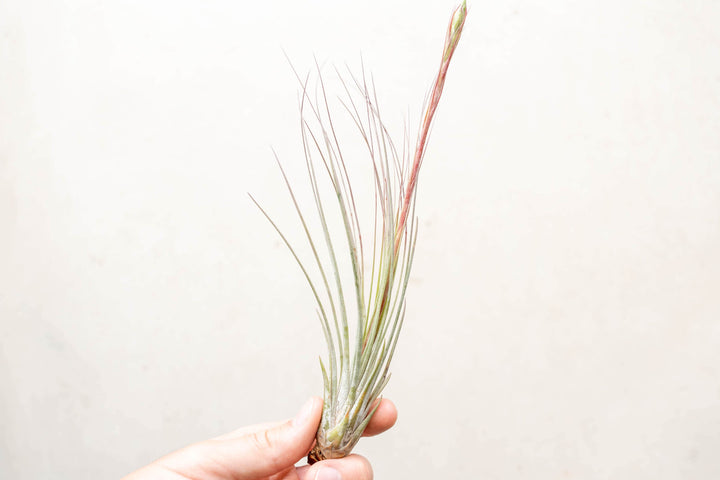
<point>302,417</point>
<point>327,473</point>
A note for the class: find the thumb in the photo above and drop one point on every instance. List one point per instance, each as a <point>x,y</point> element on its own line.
<point>267,451</point>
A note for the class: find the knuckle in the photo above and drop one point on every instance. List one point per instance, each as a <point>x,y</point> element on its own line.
<point>261,440</point>
<point>268,446</point>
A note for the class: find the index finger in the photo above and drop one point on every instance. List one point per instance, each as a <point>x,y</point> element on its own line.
<point>385,417</point>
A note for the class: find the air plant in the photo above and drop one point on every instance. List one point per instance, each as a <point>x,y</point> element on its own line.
<point>357,368</point>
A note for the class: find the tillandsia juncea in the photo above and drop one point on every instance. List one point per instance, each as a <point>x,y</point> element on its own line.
<point>357,368</point>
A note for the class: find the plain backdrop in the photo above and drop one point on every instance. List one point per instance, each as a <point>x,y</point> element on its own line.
<point>564,309</point>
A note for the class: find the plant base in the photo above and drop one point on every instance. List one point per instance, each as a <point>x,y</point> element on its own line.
<point>315,455</point>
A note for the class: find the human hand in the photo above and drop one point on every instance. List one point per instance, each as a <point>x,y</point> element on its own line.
<point>267,451</point>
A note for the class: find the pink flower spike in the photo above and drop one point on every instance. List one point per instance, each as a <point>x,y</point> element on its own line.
<point>451,41</point>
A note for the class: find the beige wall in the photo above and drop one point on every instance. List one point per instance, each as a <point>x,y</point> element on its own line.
<point>564,312</point>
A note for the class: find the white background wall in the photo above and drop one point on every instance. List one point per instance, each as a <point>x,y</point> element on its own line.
<point>564,312</point>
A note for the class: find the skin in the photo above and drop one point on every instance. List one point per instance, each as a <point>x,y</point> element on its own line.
<point>267,451</point>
